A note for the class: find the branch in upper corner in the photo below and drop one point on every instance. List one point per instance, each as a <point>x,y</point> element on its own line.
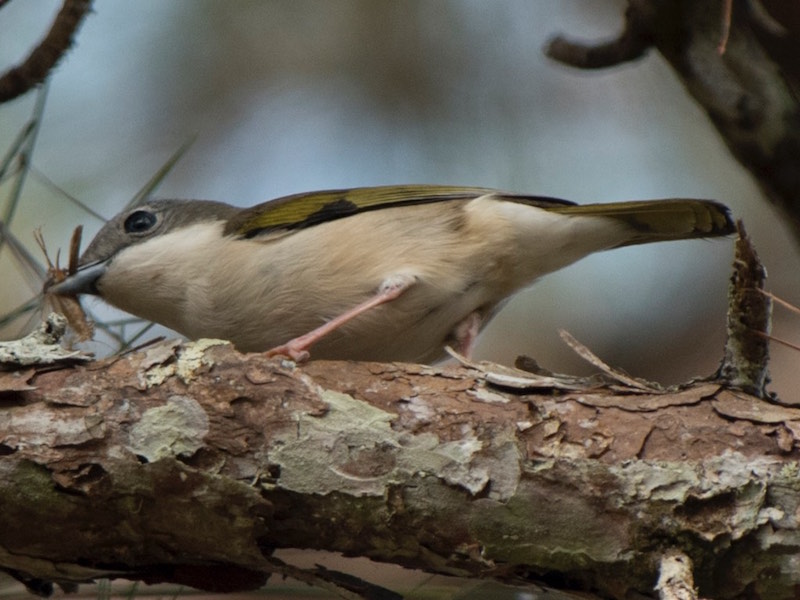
<point>33,71</point>
<point>744,364</point>
<point>631,44</point>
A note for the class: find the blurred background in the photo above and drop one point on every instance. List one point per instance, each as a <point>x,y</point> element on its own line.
<point>286,96</point>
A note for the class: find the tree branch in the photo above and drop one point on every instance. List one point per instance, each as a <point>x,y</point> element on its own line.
<point>631,44</point>
<point>191,463</point>
<point>749,90</point>
<point>42,59</point>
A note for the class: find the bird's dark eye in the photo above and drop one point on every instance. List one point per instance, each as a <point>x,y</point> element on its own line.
<point>139,221</point>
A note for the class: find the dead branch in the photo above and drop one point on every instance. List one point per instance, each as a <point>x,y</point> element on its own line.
<point>42,59</point>
<point>749,90</point>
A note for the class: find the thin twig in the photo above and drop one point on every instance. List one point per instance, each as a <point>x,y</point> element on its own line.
<point>24,156</point>
<point>148,188</point>
<point>595,360</point>
<point>780,301</point>
<point>59,190</point>
<point>727,12</point>
<point>777,340</point>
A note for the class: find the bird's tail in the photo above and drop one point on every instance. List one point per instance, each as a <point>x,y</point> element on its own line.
<point>661,220</point>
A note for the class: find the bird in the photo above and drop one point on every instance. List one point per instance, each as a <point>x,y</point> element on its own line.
<point>390,273</point>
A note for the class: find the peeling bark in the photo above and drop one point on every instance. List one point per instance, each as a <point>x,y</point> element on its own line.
<point>749,321</point>
<point>191,463</point>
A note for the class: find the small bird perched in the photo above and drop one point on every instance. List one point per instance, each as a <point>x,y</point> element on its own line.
<point>385,273</point>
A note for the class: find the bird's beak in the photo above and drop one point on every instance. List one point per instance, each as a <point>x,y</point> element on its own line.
<point>82,281</point>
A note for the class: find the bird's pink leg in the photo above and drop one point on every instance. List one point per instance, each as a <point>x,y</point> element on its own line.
<point>297,349</point>
<point>465,333</point>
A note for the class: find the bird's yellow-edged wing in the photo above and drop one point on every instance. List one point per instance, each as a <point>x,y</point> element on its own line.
<point>305,210</point>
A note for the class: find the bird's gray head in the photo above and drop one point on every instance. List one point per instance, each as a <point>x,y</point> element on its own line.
<point>148,220</point>
<point>136,226</point>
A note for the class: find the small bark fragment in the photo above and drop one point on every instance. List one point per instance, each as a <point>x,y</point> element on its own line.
<point>675,579</point>
<point>746,357</point>
<point>40,347</point>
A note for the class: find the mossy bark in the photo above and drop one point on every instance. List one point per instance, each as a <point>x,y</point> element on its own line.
<point>191,463</point>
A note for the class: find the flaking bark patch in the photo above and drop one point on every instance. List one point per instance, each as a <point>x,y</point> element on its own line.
<point>432,469</point>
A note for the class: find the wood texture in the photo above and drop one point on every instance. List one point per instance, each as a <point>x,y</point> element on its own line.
<point>190,463</point>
